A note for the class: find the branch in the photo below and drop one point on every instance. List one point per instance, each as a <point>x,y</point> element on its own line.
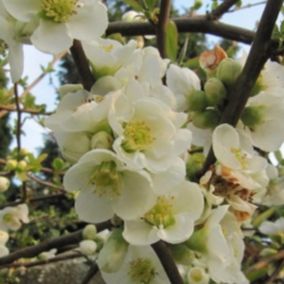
<point>259,53</point>
<point>18,126</point>
<point>32,251</point>
<point>221,9</point>
<point>10,108</point>
<point>196,24</point>
<point>92,272</point>
<point>276,272</point>
<point>164,15</point>
<point>82,64</point>
<point>167,262</point>
<point>46,183</point>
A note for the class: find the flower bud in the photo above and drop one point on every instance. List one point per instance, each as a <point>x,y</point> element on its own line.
<point>194,164</point>
<point>197,275</point>
<point>198,240</point>
<point>102,140</point>
<point>197,101</point>
<point>87,247</point>
<point>4,184</point>
<point>22,165</point>
<point>228,71</point>
<point>206,119</point>
<point>182,254</point>
<point>113,252</point>
<point>69,88</point>
<point>252,116</point>
<point>90,232</point>
<point>11,165</point>
<point>215,92</point>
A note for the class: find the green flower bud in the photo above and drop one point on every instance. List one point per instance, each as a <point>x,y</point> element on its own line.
<point>198,240</point>
<point>90,232</point>
<point>113,252</point>
<point>22,165</point>
<point>194,164</point>
<point>252,116</point>
<point>206,119</point>
<point>228,71</point>
<point>4,184</point>
<point>11,165</point>
<point>197,101</point>
<point>102,140</point>
<point>182,254</point>
<point>215,92</point>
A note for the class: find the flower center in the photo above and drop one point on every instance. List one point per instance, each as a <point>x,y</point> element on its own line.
<point>107,179</point>
<point>58,11</point>
<point>241,157</point>
<point>161,215</point>
<point>11,220</point>
<point>108,48</point>
<point>142,271</point>
<point>138,136</point>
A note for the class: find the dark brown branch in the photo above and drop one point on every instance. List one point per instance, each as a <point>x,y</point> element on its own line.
<point>197,24</point>
<point>45,183</point>
<point>91,273</point>
<point>221,9</point>
<point>164,15</point>
<point>259,53</point>
<point>82,64</point>
<point>19,125</point>
<point>59,242</point>
<point>167,262</point>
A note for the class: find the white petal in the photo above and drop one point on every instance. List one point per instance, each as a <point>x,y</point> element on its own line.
<point>51,37</point>
<point>16,61</point>
<point>22,10</point>
<point>137,196</point>
<point>138,232</point>
<point>89,23</point>
<point>91,208</point>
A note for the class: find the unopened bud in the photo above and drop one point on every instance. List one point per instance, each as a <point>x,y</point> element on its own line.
<point>90,232</point>
<point>87,247</point>
<point>4,184</point>
<point>102,140</point>
<point>228,71</point>
<point>252,116</point>
<point>206,119</point>
<point>198,240</point>
<point>113,252</point>
<point>11,165</point>
<point>197,101</point>
<point>197,275</point>
<point>215,92</point>
<point>194,164</point>
<point>22,165</point>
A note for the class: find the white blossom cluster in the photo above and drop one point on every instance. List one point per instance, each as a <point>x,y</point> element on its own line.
<point>134,139</point>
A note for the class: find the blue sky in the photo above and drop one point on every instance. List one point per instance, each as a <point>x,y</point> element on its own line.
<point>45,92</point>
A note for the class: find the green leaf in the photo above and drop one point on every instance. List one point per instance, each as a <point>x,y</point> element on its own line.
<point>151,4</point>
<point>58,164</point>
<point>171,40</point>
<point>134,4</point>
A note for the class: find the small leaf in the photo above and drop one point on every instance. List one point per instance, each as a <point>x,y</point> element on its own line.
<point>171,40</point>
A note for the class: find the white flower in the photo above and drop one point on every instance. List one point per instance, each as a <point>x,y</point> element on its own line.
<point>106,187</point>
<point>10,33</point>
<point>4,184</point>
<point>275,193</point>
<point>145,65</point>
<point>225,247</point>
<point>107,55</point>
<point>233,152</point>
<point>263,120</point>
<point>133,16</point>
<point>11,218</point>
<point>197,275</point>
<point>141,265</point>
<point>149,133</point>
<point>3,251</point>
<point>170,219</point>
<point>87,247</point>
<point>273,228</point>
<point>4,237</point>
<point>182,81</point>
<point>60,21</point>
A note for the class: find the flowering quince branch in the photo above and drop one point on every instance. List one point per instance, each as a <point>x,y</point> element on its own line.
<point>259,54</point>
<point>223,8</point>
<point>82,64</point>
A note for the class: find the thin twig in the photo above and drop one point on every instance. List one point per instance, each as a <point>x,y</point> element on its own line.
<point>164,15</point>
<point>223,8</point>
<point>91,273</point>
<point>168,263</point>
<point>59,242</point>
<point>276,273</point>
<point>248,6</point>
<point>19,124</point>
<point>259,53</point>
<point>196,24</point>
<point>45,183</point>
<point>82,64</point>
